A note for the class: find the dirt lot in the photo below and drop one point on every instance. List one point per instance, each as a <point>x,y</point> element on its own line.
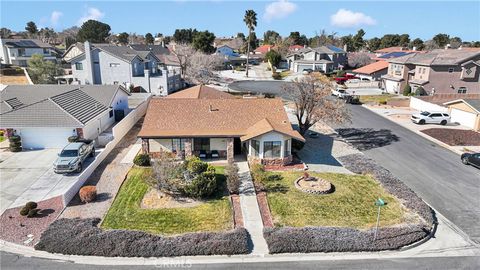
<point>454,137</point>
<point>13,79</point>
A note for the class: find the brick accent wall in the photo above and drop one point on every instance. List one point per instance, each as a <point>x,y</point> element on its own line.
<point>145,146</point>
<point>271,161</point>
<point>188,148</point>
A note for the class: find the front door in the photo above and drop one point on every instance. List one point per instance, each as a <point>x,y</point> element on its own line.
<point>237,146</point>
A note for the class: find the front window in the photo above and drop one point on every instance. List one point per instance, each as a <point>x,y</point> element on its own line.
<point>178,145</point>
<point>256,147</point>
<point>78,66</point>
<point>200,144</point>
<point>114,64</point>
<point>272,149</point>
<point>69,153</point>
<point>286,151</point>
<point>21,52</point>
<point>46,51</point>
<point>450,70</point>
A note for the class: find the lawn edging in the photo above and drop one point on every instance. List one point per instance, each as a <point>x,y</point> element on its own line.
<point>237,211</point>
<point>343,239</point>
<point>264,209</point>
<point>83,237</point>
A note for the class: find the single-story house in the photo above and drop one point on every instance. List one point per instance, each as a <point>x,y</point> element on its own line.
<point>226,50</point>
<point>206,122</point>
<point>44,116</point>
<point>466,112</point>
<point>373,71</point>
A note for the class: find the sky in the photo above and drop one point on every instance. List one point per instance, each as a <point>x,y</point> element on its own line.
<point>225,18</point>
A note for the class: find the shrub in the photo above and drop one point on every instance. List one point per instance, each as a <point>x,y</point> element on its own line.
<point>195,165</point>
<point>24,211</point>
<point>142,160</point>
<point>31,205</point>
<point>32,213</point>
<point>407,90</point>
<point>72,139</point>
<point>202,186</point>
<point>233,179</point>
<point>258,173</point>
<point>83,237</point>
<point>334,239</point>
<point>88,194</point>
<point>14,139</point>
<point>276,76</point>
<point>15,143</point>
<point>340,73</point>
<point>382,102</point>
<point>166,173</point>
<point>420,91</point>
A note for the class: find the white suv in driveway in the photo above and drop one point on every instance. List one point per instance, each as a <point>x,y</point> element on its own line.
<point>430,118</point>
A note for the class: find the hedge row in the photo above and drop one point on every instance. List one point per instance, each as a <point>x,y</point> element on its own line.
<point>335,239</point>
<point>360,164</point>
<point>83,237</point>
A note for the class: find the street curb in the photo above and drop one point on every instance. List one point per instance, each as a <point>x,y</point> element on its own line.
<point>442,144</point>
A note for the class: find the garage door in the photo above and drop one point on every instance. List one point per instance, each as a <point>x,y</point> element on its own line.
<point>300,68</point>
<point>39,138</point>
<point>463,118</point>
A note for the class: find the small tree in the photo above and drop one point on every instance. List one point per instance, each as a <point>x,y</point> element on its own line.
<point>167,174</point>
<point>273,58</point>
<point>407,90</point>
<point>123,38</point>
<point>420,91</point>
<point>233,179</point>
<point>93,31</point>
<point>149,39</point>
<point>42,71</point>
<point>311,96</point>
<point>200,67</point>
<point>31,28</point>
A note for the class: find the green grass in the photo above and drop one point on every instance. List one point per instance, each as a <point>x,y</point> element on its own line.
<point>284,73</point>
<point>125,213</point>
<point>351,205</point>
<point>2,138</point>
<point>375,98</point>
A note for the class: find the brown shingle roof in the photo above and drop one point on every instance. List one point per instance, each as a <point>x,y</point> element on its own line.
<point>372,68</point>
<point>201,91</point>
<point>187,117</point>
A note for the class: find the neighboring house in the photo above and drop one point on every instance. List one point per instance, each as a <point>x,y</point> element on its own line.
<point>112,64</point>
<point>166,57</point>
<point>326,58</point>
<point>227,51</point>
<point>295,48</point>
<point>466,112</point>
<point>263,49</point>
<point>373,71</point>
<point>204,120</point>
<point>391,55</point>
<point>392,50</point>
<point>235,43</point>
<point>443,71</point>
<point>19,51</point>
<point>44,116</point>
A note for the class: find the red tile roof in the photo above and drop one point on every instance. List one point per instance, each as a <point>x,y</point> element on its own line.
<point>263,49</point>
<point>372,68</point>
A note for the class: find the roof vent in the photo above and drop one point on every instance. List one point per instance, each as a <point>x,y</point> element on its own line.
<point>211,109</point>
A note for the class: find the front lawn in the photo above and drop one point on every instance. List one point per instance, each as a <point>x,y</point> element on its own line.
<point>350,205</point>
<point>125,213</point>
<point>376,99</point>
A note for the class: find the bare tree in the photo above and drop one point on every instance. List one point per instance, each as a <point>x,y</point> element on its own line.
<point>313,103</point>
<point>183,53</point>
<point>201,66</point>
<point>356,60</point>
<point>166,174</point>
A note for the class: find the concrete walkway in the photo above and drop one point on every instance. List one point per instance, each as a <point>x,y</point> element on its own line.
<point>250,211</point>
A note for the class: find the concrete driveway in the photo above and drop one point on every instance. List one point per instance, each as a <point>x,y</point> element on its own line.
<point>29,176</point>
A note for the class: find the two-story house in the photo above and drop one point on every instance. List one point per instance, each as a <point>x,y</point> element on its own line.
<point>167,58</point>
<point>449,71</point>
<point>19,51</point>
<point>326,58</point>
<point>112,64</point>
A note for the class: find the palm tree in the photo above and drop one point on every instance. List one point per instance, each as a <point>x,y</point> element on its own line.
<point>250,20</point>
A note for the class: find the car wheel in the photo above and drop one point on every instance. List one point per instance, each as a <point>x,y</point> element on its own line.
<point>79,168</point>
<point>443,123</point>
<point>465,160</point>
<point>92,153</point>
<point>421,122</point>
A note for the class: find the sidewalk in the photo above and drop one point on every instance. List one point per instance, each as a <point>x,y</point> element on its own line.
<point>401,116</point>
<point>251,213</point>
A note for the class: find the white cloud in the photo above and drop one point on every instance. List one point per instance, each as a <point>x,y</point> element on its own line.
<point>278,10</point>
<point>55,17</point>
<point>91,14</point>
<point>346,18</point>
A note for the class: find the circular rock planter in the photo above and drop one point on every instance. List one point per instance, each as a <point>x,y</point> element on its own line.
<point>313,185</point>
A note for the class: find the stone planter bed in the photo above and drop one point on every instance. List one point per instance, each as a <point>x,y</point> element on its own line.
<point>314,186</point>
<point>343,239</point>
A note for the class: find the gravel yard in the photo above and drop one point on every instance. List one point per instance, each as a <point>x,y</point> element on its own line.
<point>454,137</point>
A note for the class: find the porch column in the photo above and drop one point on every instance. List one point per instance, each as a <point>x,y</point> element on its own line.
<point>188,148</point>
<point>145,146</point>
<point>230,151</point>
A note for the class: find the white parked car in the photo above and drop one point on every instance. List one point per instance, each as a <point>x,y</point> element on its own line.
<point>339,93</point>
<point>430,118</point>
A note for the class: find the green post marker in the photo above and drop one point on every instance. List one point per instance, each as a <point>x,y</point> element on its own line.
<point>378,203</point>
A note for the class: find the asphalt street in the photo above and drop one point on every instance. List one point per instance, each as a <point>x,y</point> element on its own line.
<point>12,261</point>
<point>435,173</point>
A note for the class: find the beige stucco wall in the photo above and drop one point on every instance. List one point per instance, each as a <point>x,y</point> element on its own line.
<point>270,136</point>
<point>422,73</point>
<point>464,107</point>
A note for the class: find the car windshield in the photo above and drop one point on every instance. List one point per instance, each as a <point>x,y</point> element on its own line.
<point>341,91</point>
<point>69,153</point>
<point>425,113</point>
